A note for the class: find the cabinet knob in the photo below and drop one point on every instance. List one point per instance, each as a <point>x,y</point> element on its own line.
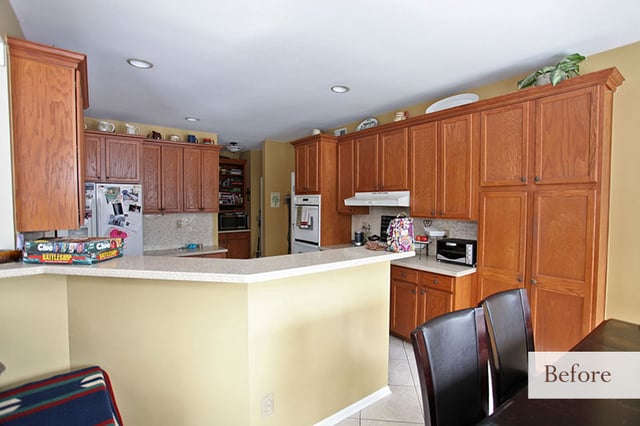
<point>533,281</point>
<point>537,178</point>
<point>423,292</point>
<point>436,281</point>
<point>403,275</point>
<point>413,291</point>
<point>523,179</point>
<point>433,212</point>
<point>441,213</point>
<point>519,279</point>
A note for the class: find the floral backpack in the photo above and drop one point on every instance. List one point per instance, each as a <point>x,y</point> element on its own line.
<point>400,234</point>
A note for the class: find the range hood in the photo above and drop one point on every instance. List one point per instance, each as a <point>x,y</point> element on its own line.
<point>387,199</point>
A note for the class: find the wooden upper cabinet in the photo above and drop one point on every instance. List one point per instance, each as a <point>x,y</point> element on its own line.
<point>456,168</point>
<point>48,95</point>
<point>366,163</point>
<point>504,145</point>
<point>345,178</point>
<point>566,137</point>
<point>112,158</point>
<point>307,168</point>
<point>393,156</point>
<point>200,179</point>
<point>423,153</point>
<point>162,180</point>
<point>382,161</point>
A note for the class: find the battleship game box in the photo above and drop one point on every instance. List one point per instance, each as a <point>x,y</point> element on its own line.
<point>84,251</point>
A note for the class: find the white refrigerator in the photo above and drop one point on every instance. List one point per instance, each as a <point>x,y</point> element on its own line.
<point>115,210</point>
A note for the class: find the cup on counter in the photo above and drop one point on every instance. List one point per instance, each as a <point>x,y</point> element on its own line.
<point>207,140</point>
<point>192,139</point>
<point>174,138</point>
<point>105,126</point>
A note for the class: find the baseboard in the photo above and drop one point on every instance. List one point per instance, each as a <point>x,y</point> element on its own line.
<point>357,406</point>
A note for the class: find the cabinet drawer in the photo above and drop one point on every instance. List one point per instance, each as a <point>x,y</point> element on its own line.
<point>437,281</point>
<point>405,274</point>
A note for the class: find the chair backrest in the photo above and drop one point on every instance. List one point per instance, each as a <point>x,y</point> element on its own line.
<point>452,357</point>
<point>508,319</point>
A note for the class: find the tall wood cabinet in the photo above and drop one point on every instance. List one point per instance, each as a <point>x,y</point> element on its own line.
<point>316,164</point>
<point>200,180</point>
<point>544,201</point>
<point>48,95</point>
<point>346,186</point>
<point>111,157</point>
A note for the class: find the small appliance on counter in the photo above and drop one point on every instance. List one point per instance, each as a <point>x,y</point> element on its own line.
<point>358,238</point>
<point>457,250</point>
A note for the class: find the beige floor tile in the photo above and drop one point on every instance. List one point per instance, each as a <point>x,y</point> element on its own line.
<point>401,406</point>
<point>387,423</point>
<point>349,422</point>
<point>396,348</point>
<point>400,373</point>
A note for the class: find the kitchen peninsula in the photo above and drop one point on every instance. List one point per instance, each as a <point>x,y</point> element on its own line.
<point>279,340</point>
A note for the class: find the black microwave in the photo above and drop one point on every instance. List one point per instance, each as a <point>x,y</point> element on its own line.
<point>232,221</point>
<point>457,250</point>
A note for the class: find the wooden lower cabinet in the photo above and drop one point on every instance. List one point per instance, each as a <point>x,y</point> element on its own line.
<point>238,244</point>
<point>418,296</point>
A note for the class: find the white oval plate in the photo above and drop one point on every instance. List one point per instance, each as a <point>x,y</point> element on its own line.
<point>367,123</point>
<point>452,101</point>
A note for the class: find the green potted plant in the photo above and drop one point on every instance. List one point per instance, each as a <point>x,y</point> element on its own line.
<point>567,67</point>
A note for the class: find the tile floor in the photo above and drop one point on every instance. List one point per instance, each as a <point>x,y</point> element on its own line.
<point>404,406</point>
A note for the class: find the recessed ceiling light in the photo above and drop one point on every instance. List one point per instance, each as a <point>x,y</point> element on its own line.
<point>139,63</point>
<point>192,119</point>
<point>339,89</point>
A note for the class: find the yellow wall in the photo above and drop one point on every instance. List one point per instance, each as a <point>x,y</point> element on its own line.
<point>145,129</point>
<point>34,332</point>
<point>278,159</point>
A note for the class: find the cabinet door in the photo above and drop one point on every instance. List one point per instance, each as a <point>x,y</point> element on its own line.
<point>562,267</point>
<point>237,244</point>
<point>93,158</point>
<point>171,176</point>
<point>455,172</point>
<point>345,178</point>
<point>307,169</point>
<point>504,145</point>
<point>566,145</point>
<point>366,163</point>
<point>210,176</point>
<point>393,159</point>
<point>433,303</point>
<point>192,179</point>
<point>122,160</point>
<point>424,169</point>
<point>404,307</point>
<point>46,141</point>
<point>151,178</point>
<point>502,241</point>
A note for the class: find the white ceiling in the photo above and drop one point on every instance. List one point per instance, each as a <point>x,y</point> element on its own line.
<point>261,69</point>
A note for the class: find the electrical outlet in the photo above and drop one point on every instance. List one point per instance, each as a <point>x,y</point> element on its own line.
<point>268,406</point>
<point>178,224</point>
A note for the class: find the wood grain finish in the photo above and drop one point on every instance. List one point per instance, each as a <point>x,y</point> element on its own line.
<point>456,168</point>
<point>561,209</point>
<point>307,168</point>
<point>423,155</point>
<point>201,179</point>
<point>322,150</point>
<point>112,157</point>
<point>393,167</point>
<point>46,103</point>
<point>237,243</point>
<point>366,163</point>
<point>346,179</point>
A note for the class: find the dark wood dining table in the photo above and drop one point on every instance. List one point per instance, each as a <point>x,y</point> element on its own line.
<point>611,335</point>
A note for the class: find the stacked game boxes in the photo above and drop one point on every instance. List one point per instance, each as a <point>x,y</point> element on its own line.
<point>85,251</point>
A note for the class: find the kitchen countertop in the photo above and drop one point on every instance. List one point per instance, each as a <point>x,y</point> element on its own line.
<point>430,264</point>
<point>212,270</point>
<point>181,252</point>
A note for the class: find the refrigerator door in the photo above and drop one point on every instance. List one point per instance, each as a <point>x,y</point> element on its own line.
<point>119,214</point>
<point>90,224</point>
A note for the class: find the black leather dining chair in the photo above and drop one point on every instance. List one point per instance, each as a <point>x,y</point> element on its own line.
<point>452,358</point>
<point>508,318</point>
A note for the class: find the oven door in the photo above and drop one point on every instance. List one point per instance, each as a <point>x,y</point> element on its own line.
<point>306,227</point>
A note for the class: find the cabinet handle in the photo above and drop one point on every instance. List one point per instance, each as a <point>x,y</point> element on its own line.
<point>441,213</point>
<point>413,291</point>
<point>403,275</point>
<point>519,279</point>
<point>436,281</point>
<point>537,178</point>
<point>423,292</point>
<point>433,212</point>
<point>523,179</point>
<point>533,281</point>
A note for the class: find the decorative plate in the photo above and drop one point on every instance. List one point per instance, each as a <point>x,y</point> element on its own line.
<point>452,101</point>
<point>367,123</point>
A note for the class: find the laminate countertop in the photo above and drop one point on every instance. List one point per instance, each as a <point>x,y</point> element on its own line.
<point>430,264</point>
<point>184,252</point>
<point>212,270</point>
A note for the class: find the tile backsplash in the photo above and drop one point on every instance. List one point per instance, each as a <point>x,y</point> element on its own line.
<point>170,231</point>
<point>454,228</point>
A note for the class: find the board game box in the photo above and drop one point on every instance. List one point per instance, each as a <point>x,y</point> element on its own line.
<point>84,251</point>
